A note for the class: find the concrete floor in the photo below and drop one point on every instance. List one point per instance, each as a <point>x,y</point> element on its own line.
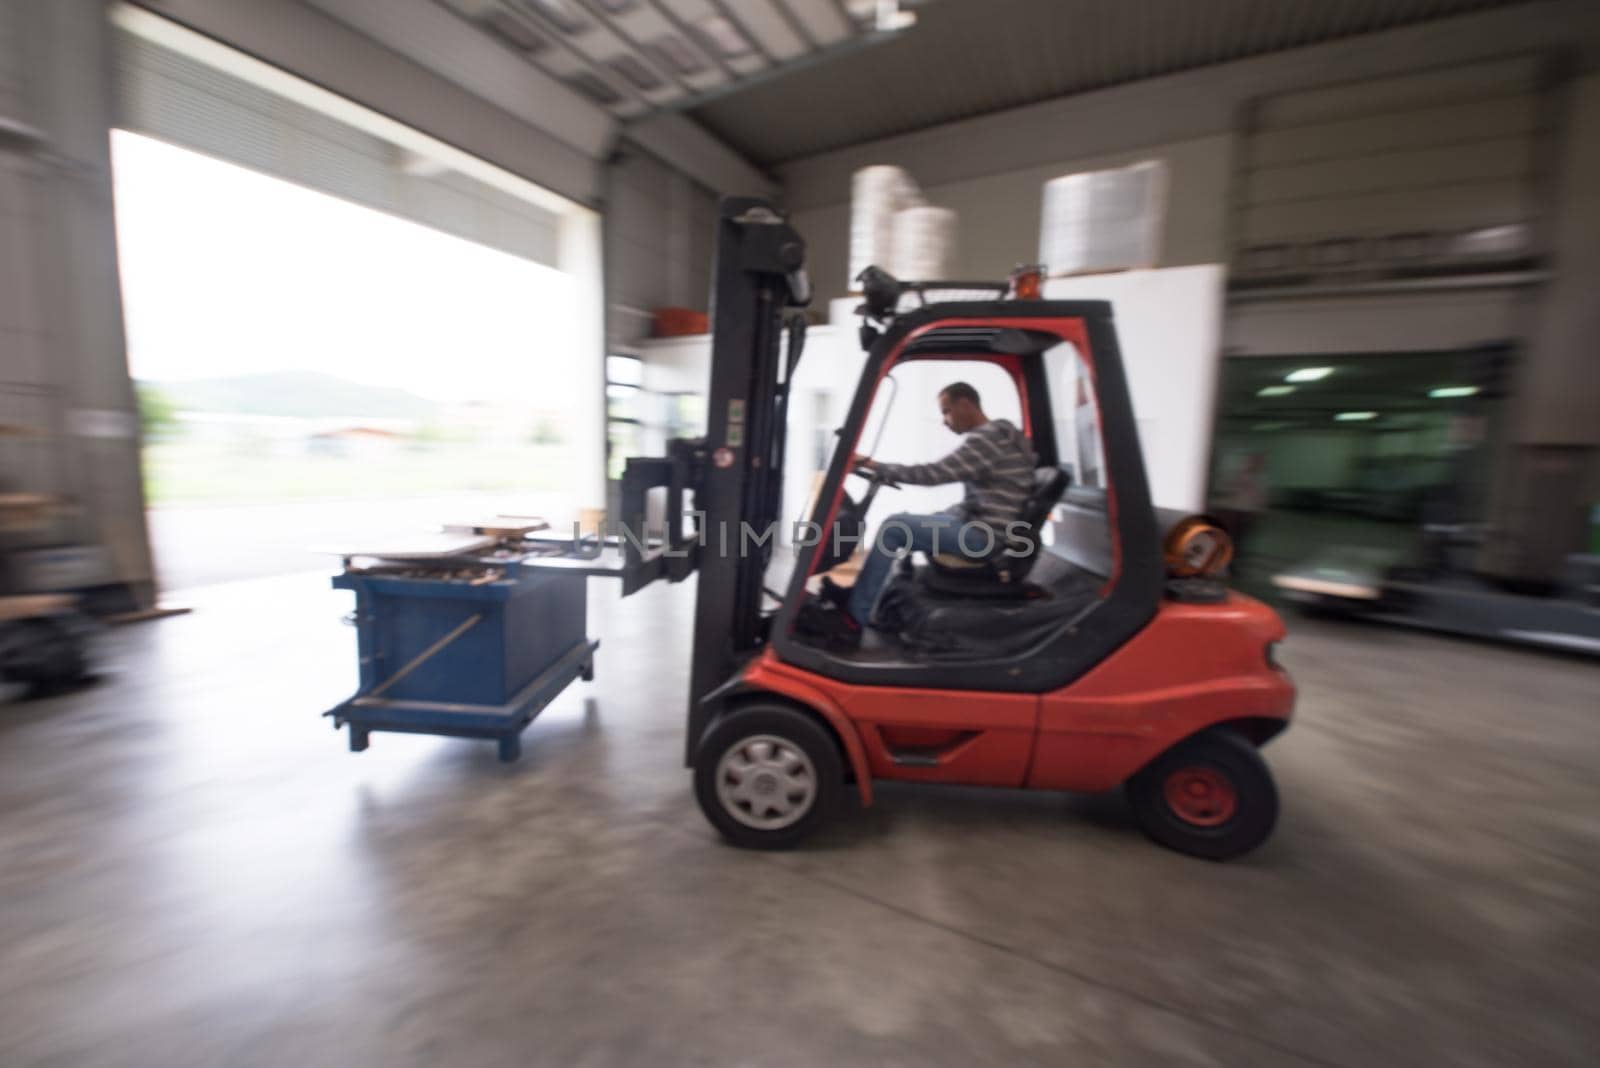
<point>195,872</point>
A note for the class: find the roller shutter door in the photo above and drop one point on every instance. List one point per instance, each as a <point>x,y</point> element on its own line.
<point>1427,173</point>
<point>165,94</point>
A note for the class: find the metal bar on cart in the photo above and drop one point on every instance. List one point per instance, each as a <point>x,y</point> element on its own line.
<point>428,653</point>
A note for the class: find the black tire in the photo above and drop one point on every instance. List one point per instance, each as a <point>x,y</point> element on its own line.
<point>1226,803</point>
<point>821,768</point>
<point>45,654</point>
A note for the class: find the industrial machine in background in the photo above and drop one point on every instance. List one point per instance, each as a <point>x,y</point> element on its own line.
<point>44,632</point>
<point>1442,593</point>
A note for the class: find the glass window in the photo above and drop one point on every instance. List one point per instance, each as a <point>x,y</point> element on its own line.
<point>1076,414</point>
<point>625,411</point>
<point>622,441</point>
<point>1079,528</point>
<point>625,370</point>
<point>905,426</point>
<point>686,415</point>
<point>623,402</point>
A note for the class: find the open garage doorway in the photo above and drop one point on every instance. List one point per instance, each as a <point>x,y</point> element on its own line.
<point>340,332</point>
<point>1352,454</point>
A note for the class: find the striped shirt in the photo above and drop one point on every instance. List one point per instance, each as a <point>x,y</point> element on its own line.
<point>994,465</point>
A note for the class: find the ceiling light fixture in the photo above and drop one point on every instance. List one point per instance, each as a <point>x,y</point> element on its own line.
<point>1308,374</point>
<point>888,18</point>
<point>885,16</point>
<point>1274,391</point>
<point>1443,392</point>
<point>1355,417</point>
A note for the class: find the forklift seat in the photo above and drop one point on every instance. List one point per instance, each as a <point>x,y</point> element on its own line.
<point>1002,574</point>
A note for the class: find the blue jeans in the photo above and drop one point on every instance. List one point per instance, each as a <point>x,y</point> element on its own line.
<point>904,533</point>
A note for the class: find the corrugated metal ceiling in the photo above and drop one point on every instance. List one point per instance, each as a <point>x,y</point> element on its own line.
<point>971,57</point>
<point>638,57</point>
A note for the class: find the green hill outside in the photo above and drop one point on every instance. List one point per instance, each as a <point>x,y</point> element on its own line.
<point>309,394</point>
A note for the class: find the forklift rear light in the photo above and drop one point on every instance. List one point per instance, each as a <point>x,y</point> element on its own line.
<point>1197,546</point>
<point>1027,283</point>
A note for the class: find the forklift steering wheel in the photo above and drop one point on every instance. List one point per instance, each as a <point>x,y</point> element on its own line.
<point>875,482</point>
<point>849,525</point>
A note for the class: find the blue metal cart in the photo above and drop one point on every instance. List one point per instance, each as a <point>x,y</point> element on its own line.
<point>472,651</point>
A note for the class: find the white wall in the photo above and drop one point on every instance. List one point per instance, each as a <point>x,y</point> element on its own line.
<point>1169,325</point>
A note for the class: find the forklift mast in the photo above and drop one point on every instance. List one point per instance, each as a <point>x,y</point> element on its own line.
<point>735,473</point>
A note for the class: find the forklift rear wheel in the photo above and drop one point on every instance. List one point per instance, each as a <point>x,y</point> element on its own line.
<point>1210,796</point>
<point>766,776</point>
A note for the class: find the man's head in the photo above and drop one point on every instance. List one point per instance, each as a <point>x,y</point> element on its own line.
<point>958,403</point>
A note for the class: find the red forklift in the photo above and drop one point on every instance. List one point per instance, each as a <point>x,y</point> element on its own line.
<point>1098,646</point>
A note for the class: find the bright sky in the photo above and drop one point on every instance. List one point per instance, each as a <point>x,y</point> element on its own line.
<point>226,271</point>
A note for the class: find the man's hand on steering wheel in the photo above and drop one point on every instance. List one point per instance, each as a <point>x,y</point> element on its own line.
<point>862,465</point>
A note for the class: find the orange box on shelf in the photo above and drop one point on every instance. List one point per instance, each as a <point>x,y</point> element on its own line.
<point>678,322</point>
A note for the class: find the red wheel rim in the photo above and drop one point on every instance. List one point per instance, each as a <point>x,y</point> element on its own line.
<point>1201,796</point>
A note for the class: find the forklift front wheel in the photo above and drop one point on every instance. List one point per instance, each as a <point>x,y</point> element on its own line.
<point>766,776</point>
<point>1210,796</point>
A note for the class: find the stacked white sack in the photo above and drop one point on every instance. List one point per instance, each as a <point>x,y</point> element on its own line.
<point>1103,220</point>
<point>876,194</point>
<point>923,244</point>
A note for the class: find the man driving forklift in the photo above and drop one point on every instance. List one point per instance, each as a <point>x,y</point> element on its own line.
<point>994,464</point>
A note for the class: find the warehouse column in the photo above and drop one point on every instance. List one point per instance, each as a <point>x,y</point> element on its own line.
<point>580,258</point>
<point>1550,473</point>
<point>61,316</point>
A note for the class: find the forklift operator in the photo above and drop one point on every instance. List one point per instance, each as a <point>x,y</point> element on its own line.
<point>995,466</point>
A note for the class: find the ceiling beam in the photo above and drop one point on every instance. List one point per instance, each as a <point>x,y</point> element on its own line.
<point>743,27</point>
<point>801,30</point>
<point>854,43</point>
<point>635,46</point>
<point>692,39</point>
<point>524,55</point>
<point>844,13</point>
<point>596,66</point>
<point>678,140</point>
